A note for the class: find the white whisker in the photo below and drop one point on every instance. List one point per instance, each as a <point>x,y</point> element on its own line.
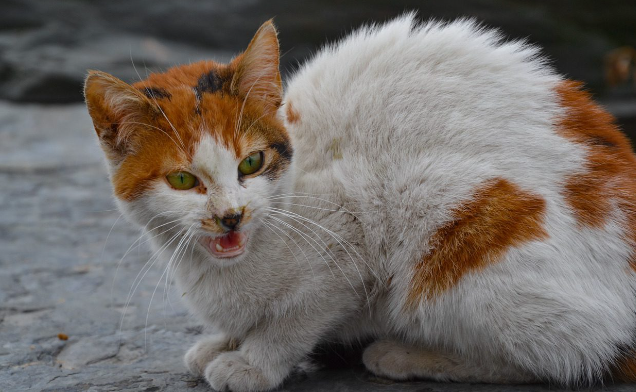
<point>176,251</point>
<point>194,243</point>
<point>147,267</point>
<point>344,211</point>
<point>271,227</point>
<point>338,238</point>
<point>131,247</point>
<point>180,257</point>
<point>329,253</point>
<point>101,256</point>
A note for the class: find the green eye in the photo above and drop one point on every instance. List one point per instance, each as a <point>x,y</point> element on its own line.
<point>182,180</point>
<point>251,164</point>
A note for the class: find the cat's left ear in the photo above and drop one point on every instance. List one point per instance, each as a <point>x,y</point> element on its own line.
<point>257,74</point>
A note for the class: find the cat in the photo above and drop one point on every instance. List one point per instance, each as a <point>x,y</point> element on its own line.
<point>427,185</point>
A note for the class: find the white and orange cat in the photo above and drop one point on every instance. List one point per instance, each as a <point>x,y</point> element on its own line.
<point>425,185</point>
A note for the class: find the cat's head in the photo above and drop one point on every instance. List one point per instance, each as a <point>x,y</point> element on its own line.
<point>198,148</point>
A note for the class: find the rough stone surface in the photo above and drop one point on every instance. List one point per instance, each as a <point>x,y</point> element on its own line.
<point>63,271</point>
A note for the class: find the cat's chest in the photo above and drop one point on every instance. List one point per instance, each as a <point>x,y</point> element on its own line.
<point>234,299</point>
<point>220,301</point>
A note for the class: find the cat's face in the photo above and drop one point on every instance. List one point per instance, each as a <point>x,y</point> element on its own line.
<point>199,148</point>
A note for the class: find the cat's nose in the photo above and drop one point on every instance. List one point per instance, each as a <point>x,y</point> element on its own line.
<point>230,221</point>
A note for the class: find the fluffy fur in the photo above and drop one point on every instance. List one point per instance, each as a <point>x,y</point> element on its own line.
<point>448,194</point>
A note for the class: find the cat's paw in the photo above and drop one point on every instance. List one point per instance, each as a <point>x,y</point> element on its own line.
<point>398,361</point>
<point>231,371</point>
<point>387,359</point>
<point>205,351</point>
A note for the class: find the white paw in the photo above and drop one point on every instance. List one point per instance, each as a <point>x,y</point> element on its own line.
<point>401,362</point>
<point>386,358</point>
<point>205,351</point>
<point>230,371</point>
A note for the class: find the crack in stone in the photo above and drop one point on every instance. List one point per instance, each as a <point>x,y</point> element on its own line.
<point>62,376</point>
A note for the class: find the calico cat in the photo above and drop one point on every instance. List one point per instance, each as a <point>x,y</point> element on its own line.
<point>429,186</point>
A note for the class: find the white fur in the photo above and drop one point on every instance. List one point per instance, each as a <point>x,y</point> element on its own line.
<point>398,125</point>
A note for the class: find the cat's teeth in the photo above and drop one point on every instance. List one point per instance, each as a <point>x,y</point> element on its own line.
<point>219,248</point>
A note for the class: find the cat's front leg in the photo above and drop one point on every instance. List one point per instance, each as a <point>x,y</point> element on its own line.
<point>266,356</point>
<point>206,350</point>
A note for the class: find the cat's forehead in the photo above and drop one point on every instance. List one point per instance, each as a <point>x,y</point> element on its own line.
<point>194,94</point>
<point>201,77</point>
<point>195,100</point>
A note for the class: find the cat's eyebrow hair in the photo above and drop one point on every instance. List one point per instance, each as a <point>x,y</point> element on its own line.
<point>156,93</point>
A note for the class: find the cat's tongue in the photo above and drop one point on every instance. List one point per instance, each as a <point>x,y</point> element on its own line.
<point>230,245</point>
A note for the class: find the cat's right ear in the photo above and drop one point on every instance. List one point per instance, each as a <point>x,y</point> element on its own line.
<point>116,108</point>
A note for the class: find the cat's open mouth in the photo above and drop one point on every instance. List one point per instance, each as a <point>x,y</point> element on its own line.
<point>231,244</point>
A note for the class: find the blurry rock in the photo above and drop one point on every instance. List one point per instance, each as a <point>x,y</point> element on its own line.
<point>46,46</point>
<point>620,64</point>
<point>50,72</point>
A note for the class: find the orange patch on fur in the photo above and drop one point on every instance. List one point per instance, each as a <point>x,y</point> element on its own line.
<point>499,216</point>
<point>610,177</point>
<point>292,115</point>
<point>625,369</point>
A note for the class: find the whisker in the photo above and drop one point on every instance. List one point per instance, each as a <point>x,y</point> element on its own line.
<point>338,238</point>
<point>166,294</point>
<point>177,249</point>
<point>317,208</point>
<point>170,275</point>
<point>271,227</point>
<point>131,247</point>
<point>303,235</point>
<point>277,197</point>
<point>281,195</point>
<point>101,256</point>
<point>195,238</point>
<point>155,256</point>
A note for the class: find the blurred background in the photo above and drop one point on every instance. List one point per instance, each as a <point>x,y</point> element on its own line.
<point>76,312</point>
<point>47,45</point>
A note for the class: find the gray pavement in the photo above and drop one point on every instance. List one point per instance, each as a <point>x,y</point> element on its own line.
<point>61,242</point>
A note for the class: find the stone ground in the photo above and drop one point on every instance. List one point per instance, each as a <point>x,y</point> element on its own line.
<point>63,270</point>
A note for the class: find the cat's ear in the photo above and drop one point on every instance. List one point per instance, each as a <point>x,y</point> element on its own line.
<point>116,108</point>
<point>257,74</point>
